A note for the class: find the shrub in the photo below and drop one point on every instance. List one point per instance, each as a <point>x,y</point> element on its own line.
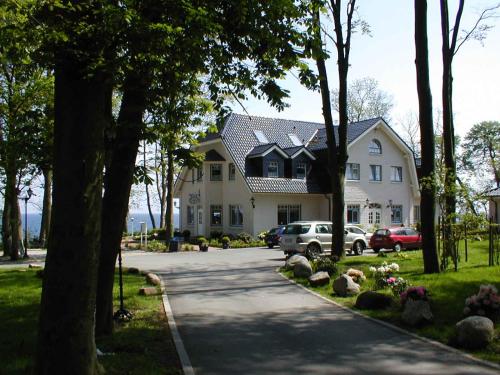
<point>186,233</point>
<point>201,240</point>
<point>245,237</point>
<point>262,235</point>
<point>158,233</point>
<point>416,293</point>
<point>382,254</point>
<point>215,234</point>
<point>157,246</point>
<point>398,285</point>
<point>382,273</point>
<point>214,242</point>
<point>225,239</point>
<point>325,264</point>
<point>177,233</point>
<point>485,303</point>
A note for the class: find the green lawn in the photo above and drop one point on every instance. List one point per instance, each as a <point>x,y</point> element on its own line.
<point>142,346</point>
<point>448,291</point>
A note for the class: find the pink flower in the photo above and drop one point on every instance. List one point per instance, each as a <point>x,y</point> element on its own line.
<point>391,280</point>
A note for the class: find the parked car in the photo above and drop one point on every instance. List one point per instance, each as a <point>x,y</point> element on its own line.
<point>315,237</point>
<point>273,237</point>
<point>396,239</point>
<point>358,230</point>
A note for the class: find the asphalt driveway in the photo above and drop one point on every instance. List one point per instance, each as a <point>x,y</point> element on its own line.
<point>236,315</point>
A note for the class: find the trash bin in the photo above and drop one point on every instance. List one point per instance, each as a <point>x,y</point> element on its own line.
<point>173,246</point>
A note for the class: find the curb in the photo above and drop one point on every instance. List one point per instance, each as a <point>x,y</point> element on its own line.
<point>187,369</point>
<point>398,329</point>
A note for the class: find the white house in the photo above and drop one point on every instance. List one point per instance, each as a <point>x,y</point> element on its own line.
<point>494,204</point>
<point>260,172</point>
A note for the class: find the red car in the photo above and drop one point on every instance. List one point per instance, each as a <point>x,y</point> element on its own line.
<point>395,238</point>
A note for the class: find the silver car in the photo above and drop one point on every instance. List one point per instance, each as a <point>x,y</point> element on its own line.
<point>315,237</point>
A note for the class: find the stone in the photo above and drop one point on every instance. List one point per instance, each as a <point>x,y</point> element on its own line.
<point>357,275</point>
<point>149,291</point>
<point>373,301</point>
<point>31,265</point>
<point>319,278</point>
<point>417,312</point>
<point>345,286</point>
<point>133,270</point>
<point>302,268</point>
<point>474,332</point>
<point>153,279</point>
<point>290,262</point>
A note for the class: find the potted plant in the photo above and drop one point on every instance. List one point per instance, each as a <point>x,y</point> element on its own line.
<point>225,242</point>
<point>203,243</point>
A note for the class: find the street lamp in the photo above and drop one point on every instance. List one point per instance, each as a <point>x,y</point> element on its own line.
<point>132,220</point>
<point>26,198</point>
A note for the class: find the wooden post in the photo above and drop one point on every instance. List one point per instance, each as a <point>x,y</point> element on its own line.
<point>466,243</point>
<point>490,243</point>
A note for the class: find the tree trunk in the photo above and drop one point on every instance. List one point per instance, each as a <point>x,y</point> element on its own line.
<point>169,215</point>
<point>118,182</point>
<point>66,342</point>
<point>148,198</point>
<point>14,218</point>
<point>428,188</point>
<point>47,207</point>
<point>6,232</point>
<point>163,188</point>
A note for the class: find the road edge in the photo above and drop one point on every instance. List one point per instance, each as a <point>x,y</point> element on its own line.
<point>187,368</point>
<point>396,328</point>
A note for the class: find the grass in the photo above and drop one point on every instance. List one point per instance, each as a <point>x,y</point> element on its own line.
<point>448,291</point>
<point>142,346</point>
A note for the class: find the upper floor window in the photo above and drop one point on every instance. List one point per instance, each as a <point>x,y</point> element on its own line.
<point>273,169</point>
<point>261,137</point>
<point>353,214</point>
<point>300,170</point>
<point>295,140</point>
<point>396,214</point>
<point>396,174</point>
<point>200,174</point>
<point>215,172</point>
<point>375,147</point>
<point>375,173</point>
<point>231,171</point>
<point>352,171</point>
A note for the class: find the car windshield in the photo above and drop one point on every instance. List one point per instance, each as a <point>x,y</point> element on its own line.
<point>296,229</point>
<point>273,230</point>
<point>381,232</point>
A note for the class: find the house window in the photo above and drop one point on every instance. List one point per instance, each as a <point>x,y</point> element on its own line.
<point>375,173</point>
<point>216,215</point>
<point>190,215</point>
<point>416,214</point>
<point>397,214</point>
<point>199,174</point>
<point>236,216</point>
<point>272,169</point>
<point>261,137</point>
<point>215,172</point>
<point>295,140</point>
<point>377,217</point>
<point>300,170</point>
<point>353,214</point>
<point>232,172</point>
<point>352,171</point>
<point>396,174</point>
<point>374,217</point>
<point>375,148</point>
<point>288,213</point>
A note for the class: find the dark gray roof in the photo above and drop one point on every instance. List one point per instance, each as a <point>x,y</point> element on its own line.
<point>212,155</point>
<point>494,193</point>
<point>292,150</point>
<point>283,185</point>
<point>258,150</point>
<point>354,130</point>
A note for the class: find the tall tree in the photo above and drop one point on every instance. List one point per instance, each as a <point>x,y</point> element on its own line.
<point>428,185</point>
<point>364,100</point>
<point>482,150</point>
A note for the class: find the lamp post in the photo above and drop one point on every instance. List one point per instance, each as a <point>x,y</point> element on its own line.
<point>132,220</point>
<point>26,198</point>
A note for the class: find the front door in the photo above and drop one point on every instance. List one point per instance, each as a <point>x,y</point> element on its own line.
<point>201,227</point>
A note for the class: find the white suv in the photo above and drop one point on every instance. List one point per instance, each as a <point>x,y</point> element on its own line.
<point>315,237</point>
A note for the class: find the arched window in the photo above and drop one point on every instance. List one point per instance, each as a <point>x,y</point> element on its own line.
<point>375,147</point>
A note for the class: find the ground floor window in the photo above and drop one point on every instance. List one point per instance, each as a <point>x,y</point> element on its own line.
<point>353,213</point>
<point>416,214</point>
<point>190,215</point>
<point>216,215</point>
<point>397,214</point>
<point>236,215</point>
<point>289,213</point>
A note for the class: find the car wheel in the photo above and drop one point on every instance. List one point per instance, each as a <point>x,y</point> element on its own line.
<point>376,250</point>
<point>270,245</point>
<point>397,247</point>
<point>358,248</point>
<point>313,251</point>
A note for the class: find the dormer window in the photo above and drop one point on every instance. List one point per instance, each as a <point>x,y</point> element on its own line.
<point>300,171</point>
<point>261,137</point>
<point>272,169</point>
<point>295,140</point>
<point>375,148</point>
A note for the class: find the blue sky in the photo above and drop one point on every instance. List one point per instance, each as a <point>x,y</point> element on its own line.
<point>388,56</point>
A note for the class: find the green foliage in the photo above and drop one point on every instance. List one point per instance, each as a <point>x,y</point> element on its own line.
<point>262,235</point>
<point>155,245</point>
<point>215,234</point>
<point>325,264</point>
<point>245,237</point>
<point>201,240</point>
<point>225,239</point>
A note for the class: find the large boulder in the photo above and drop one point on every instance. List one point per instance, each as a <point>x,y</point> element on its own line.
<point>474,332</point>
<point>416,312</point>
<point>294,259</point>
<point>373,301</point>
<point>319,278</point>
<point>153,279</point>
<point>357,275</point>
<point>302,268</point>
<point>345,286</point>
